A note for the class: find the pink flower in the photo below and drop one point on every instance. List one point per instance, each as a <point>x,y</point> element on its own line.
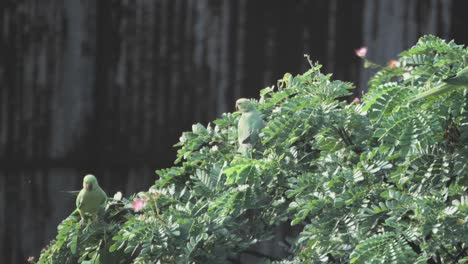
<point>361,52</point>
<point>356,101</point>
<point>138,205</point>
<point>392,64</point>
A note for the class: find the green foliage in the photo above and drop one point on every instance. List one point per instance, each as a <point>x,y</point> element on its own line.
<point>87,242</point>
<point>379,181</point>
<point>383,248</point>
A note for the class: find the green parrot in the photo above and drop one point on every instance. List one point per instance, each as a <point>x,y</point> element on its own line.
<point>449,84</point>
<point>249,126</point>
<point>91,198</point>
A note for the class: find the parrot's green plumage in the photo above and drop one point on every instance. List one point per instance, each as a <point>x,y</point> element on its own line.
<point>249,126</point>
<point>451,83</point>
<point>91,198</point>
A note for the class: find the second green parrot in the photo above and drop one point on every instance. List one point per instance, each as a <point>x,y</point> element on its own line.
<point>249,126</point>
<point>459,80</point>
<point>91,198</point>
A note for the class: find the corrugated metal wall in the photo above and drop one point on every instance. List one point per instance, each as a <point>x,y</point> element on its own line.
<point>107,86</point>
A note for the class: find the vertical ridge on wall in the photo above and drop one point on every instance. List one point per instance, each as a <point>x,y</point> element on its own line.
<point>240,48</point>
<point>331,35</point>
<point>226,72</point>
<point>72,101</point>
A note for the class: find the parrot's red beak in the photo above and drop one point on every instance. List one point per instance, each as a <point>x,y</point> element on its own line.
<point>89,186</point>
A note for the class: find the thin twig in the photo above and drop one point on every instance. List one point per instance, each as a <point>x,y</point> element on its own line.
<point>307,56</point>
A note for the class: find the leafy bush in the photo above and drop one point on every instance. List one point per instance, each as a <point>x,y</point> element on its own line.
<point>378,181</point>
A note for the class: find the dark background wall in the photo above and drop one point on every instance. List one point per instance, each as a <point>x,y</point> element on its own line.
<point>107,87</point>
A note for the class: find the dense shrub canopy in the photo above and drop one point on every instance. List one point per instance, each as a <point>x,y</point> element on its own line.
<point>377,181</point>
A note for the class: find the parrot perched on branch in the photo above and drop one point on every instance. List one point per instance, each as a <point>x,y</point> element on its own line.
<point>91,198</point>
<point>449,84</point>
<point>249,126</point>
